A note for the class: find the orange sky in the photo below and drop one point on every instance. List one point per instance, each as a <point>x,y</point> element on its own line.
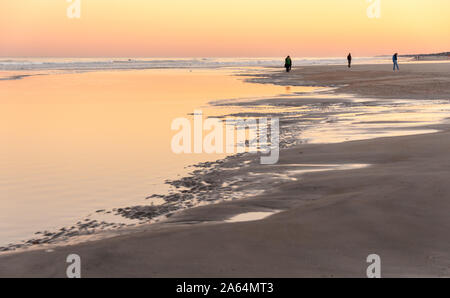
<point>222,28</point>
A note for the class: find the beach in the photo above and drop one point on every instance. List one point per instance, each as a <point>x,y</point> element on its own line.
<point>83,141</point>
<point>415,81</point>
<point>320,211</point>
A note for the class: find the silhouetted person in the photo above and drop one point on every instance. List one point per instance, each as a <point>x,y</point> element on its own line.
<point>288,64</point>
<point>349,59</point>
<point>395,60</point>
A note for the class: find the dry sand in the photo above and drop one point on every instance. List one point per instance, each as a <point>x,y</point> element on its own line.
<point>330,221</point>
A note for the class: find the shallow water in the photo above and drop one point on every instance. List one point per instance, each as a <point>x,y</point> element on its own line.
<point>250,216</point>
<point>322,117</point>
<point>76,143</point>
<point>366,119</point>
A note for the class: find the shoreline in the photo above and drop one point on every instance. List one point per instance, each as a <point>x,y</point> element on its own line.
<point>308,200</point>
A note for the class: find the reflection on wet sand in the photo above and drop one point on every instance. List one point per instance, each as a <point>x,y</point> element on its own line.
<point>81,142</point>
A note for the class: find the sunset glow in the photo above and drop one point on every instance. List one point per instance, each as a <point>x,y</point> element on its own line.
<point>200,28</point>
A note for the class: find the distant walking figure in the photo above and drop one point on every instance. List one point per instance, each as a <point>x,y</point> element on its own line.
<point>349,59</point>
<point>395,60</point>
<point>288,64</point>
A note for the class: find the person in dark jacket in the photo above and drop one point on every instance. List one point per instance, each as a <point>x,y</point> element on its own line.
<point>395,60</point>
<point>288,64</point>
<point>349,59</point>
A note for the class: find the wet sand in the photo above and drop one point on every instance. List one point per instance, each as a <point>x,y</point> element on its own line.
<point>414,80</point>
<point>392,199</point>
